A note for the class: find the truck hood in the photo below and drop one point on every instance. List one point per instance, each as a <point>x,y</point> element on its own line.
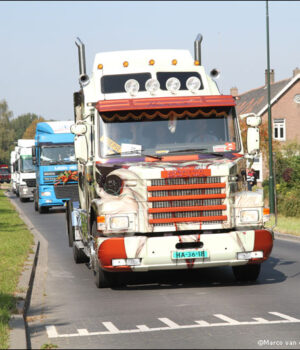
<point>173,166</point>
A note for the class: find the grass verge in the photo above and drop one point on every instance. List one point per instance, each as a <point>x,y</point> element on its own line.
<point>16,242</point>
<point>289,225</point>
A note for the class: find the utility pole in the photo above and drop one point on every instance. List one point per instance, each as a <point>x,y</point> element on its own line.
<point>270,134</point>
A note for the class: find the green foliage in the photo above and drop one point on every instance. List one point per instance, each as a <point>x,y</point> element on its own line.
<point>21,123</point>
<point>7,134</point>
<point>30,131</point>
<point>11,130</point>
<point>287,176</point>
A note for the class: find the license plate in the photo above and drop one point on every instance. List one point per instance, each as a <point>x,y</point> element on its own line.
<point>189,254</point>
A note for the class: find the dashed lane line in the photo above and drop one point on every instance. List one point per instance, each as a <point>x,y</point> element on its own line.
<point>171,325</point>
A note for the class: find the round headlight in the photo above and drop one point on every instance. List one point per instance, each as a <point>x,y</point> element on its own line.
<point>113,185</point>
<point>132,86</point>
<point>193,84</point>
<point>173,85</point>
<point>152,85</point>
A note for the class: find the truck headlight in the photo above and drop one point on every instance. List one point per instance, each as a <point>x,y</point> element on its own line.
<point>113,185</point>
<point>132,87</point>
<point>249,216</point>
<point>152,86</point>
<point>119,222</point>
<point>46,194</point>
<point>193,84</point>
<point>173,85</point>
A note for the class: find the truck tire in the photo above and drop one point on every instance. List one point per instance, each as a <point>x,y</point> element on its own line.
<point>101,277</point>
<point>78,255</point>
<point>69,227</point>
<point>43,210</point>
<point>246,273</point>
<point>36,208</point>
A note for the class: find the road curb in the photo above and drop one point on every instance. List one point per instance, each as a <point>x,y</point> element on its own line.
<point>19,333</point>
<point>286,236</point>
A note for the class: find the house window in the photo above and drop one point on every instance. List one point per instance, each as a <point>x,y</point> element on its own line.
<point>279,129</point>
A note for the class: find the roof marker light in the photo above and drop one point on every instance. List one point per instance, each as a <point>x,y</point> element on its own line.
<point>152,86</point>
<point>132,87</point>
<point>151,62</point>
<point>173,85</point>
<point>174,62</point>
<point>125,64</point>
<point>100,66</point>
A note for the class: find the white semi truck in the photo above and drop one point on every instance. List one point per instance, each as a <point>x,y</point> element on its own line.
<point>13,172</point>
<point>25,170</point>
<point>161,170</point>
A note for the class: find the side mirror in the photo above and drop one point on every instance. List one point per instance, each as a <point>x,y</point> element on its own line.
<point>253,121</point>
<point>81,148</point>
<point>253,140</point>
<point>78,129</point>
<point>33,150</point>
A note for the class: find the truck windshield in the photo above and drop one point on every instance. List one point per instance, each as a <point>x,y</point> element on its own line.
<point>155,132</point>
<point>26,164</point>
<point>61,154</point>
<point>4,171</point>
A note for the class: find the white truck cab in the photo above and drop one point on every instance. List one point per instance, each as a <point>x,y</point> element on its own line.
<point>25,172</point>
<point>161,169</point>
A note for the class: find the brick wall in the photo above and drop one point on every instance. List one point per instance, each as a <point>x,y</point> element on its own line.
<point>289,110</point>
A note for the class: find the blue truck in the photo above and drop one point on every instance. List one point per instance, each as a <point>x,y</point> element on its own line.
<point>56,167</point>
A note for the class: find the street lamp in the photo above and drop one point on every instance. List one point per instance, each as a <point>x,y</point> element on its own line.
<point>271,178</point>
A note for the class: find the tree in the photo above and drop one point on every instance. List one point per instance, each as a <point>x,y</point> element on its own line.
<point>30,131</point>
<point>21,123</point>
<point>7,135</point>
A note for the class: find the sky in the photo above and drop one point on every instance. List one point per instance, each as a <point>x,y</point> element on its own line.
<point>39,61</point>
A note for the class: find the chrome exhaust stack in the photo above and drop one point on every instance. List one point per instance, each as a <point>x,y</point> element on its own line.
<point>83,77</point>
<point>197,48</point>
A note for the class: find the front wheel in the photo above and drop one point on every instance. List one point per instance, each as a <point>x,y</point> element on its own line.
<point>100,277</point>
<point>43,210</point>
<point>69,227</point>
<point>78,255</point>
<point>246,273</point>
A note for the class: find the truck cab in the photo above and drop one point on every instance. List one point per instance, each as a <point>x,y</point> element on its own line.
<point>4,173</point>
<point>55,164</point>
<point>161,169</point>
<point>25,170</point>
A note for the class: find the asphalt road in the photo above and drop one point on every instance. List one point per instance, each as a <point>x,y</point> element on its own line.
<point>203,309</point>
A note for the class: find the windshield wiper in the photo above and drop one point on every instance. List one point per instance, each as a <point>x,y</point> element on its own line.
<point>188,150</point>
<point>136,153</point>
<point>197,150</point>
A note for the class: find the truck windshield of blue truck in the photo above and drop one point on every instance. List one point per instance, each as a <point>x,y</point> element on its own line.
<point>26,164</point>
<point>166,131</point>
<point>61,154</point>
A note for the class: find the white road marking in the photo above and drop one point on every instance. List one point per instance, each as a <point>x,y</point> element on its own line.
<point>143,328</point>
<point>226,319</point>
<point>202,323</point>
<point>260,320</point>
<point>286,317</point>
<point>111,327</point>
<point>51,330</point>
<point>171,325</point>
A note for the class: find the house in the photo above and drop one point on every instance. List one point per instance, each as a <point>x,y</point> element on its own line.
<point>285,110</point>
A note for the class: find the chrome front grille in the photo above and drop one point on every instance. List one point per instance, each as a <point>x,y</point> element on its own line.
<point>193,199</point>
